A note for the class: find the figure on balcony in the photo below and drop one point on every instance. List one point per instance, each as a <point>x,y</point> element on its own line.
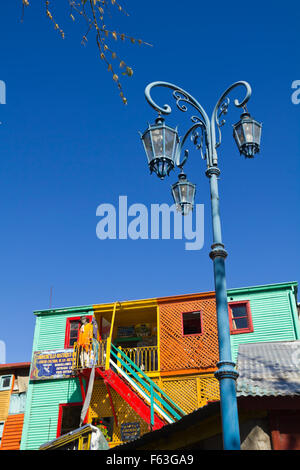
<point>85,338</point>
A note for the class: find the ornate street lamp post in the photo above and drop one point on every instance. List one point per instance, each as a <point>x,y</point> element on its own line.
<point>163,149</point>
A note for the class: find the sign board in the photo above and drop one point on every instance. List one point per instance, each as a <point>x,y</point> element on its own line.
<point>130,431</point>
<point>56,364</point>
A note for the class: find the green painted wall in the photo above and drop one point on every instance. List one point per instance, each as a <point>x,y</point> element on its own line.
<point>274,314</point>
<point>51,327</point>
<point>45,396</point>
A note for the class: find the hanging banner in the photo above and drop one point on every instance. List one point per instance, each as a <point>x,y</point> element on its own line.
<point>56,364</point>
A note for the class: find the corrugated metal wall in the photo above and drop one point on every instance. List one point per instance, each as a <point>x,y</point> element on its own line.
<point>271,315</point>
<point>12,432</point>
<point>51,328</point>
<point>45,399</point>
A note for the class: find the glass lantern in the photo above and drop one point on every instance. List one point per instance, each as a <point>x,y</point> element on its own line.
<point>247,134</point>
<point>160,143</point>
<point>183,193</point>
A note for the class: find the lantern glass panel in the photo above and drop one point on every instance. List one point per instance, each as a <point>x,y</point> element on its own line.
<point>257,132</point>
<point>240,134</point>
<point>175,191</point>
<point>248,131</point>
<point>158,141</point>
<point>170,137</point>
<point>191,193</point>
<point>183,192</point>
<point>148,145</point>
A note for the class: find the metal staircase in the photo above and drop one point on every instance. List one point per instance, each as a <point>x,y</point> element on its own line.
<point>141,393</point>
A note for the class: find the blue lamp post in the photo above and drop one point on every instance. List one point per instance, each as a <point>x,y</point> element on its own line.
<point>247,134</point>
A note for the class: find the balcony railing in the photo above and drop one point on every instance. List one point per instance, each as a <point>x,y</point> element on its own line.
<point>86,358</point>
<point>146,357</point>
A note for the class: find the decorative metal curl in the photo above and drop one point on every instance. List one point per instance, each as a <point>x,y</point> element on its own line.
<point>223,109</point>
<point>220,109</point>
<point>194,134</point>
<point>208,126</point>
<point>180,95</point>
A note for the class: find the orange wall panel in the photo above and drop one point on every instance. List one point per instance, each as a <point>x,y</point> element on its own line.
<point>12,432</point>
<point>179,352</point>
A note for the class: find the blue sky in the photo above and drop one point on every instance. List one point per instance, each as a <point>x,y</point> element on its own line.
<point>68,144</point>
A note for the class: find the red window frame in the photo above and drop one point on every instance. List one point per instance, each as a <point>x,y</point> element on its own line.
<point>201,324</point>
<point>68,328</point>
<point>60,415</point>
<point>249,329</point>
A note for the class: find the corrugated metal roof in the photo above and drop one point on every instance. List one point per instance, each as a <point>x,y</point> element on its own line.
<point>269,369</point>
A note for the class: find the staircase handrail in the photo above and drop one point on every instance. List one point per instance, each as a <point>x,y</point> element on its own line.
<point>147,382</point>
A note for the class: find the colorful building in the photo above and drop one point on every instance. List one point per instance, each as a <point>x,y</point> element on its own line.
<point>263,313</point>
<point>13,390</point>
<point>138,365</point>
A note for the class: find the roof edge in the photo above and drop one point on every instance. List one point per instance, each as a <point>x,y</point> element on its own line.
<point>82,308</point>
<point>15,365</point>
<point>279,285</point>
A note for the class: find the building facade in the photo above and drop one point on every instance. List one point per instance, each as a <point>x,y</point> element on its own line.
<point>139,365</point>
<point>13,393</point>
<point>263,313</point>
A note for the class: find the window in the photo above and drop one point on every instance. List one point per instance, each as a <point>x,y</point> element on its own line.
<point>6,382</point>
<point>1,430</point>
<point>17,403</point>
<point>240,317</point>
<point>68,418</point>
<point>191,323</point>
<point>72,330</point>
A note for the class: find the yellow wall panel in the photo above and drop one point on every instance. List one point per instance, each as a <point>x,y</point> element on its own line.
<point>4,404</point>
<point>100,408</point>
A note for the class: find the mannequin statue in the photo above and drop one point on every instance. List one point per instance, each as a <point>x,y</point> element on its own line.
<point>85,341</point>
